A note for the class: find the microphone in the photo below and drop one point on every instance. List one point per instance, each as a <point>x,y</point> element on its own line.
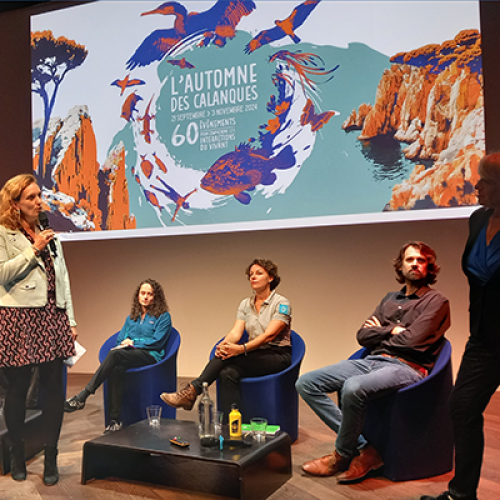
<point>44,224</point>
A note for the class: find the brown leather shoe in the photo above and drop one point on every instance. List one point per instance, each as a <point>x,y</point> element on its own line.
<point>183,398</point>
<point>367,460</point>
<point>329,465</point>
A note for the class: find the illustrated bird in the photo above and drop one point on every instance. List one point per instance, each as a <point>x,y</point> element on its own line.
<point>182,63</point>
<point>127,82</point>
<point>216,25</point>
<point>283,28</point>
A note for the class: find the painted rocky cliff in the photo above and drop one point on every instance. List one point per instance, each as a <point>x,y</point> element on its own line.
<point>78,193</point>
<point>431,99</point>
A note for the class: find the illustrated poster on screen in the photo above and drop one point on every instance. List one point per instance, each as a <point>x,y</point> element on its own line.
<point>157,118</point>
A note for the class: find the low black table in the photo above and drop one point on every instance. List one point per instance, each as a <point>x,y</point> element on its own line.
<point>33,439</point>
<point>142,453</point>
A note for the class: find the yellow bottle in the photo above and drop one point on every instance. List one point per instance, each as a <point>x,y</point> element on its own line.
<point>234,423</point>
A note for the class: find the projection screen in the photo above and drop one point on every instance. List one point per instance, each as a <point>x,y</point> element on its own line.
<point>189,117</point>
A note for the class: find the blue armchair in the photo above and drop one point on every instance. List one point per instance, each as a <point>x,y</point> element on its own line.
<point>143,385</point>
<point>274,397</point>
<point>411,428</point>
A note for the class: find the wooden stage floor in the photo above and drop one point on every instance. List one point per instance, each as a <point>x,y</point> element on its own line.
<point>315,440</point>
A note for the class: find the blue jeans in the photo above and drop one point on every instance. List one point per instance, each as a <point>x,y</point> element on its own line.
<point>357,381</point>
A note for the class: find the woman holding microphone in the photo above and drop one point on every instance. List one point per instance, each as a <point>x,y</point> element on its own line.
<point>37,326</point>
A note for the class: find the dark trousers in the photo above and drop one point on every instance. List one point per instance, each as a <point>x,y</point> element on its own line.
<point>477,380</point>
<point>113,368</point>
<point>229,372</point>
<point>51,397</point>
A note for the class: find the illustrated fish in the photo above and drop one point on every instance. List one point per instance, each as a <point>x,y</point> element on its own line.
<point>146,166</point>
<point>129,106</point>
<point>243,169</point>
<point>160,164</point>
<point>151,197</point>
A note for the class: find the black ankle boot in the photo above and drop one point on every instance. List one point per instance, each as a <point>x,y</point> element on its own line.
<point>17,462</point>
<point>50,472</point>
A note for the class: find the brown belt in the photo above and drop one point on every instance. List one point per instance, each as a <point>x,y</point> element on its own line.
<point>416,367</point>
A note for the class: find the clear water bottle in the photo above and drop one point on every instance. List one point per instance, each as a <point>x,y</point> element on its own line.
<point>206,411</point>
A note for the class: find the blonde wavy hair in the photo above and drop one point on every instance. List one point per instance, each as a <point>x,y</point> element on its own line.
<point>11,192</point>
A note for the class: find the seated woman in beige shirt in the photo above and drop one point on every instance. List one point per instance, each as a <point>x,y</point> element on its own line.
<point>266,316</point>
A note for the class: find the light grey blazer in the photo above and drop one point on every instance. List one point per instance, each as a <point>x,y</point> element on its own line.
<point>23,282</point>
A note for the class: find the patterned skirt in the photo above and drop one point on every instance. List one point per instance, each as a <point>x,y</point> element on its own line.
<point>34,335</point>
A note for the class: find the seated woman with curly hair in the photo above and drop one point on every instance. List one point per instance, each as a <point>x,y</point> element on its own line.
<point>141,342</point>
